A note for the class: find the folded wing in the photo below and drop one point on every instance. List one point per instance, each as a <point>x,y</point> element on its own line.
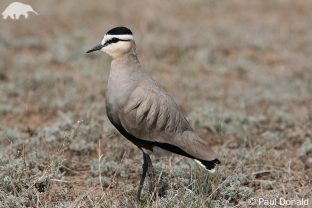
<point>151,114</point>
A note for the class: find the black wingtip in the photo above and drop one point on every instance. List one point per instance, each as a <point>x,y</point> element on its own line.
<point>210,165</point>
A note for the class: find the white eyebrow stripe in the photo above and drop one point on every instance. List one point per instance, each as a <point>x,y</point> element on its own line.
<point>121,37</point>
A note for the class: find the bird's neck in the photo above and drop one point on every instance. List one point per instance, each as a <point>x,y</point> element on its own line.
<point>124,51</point>
<point>128,61</point>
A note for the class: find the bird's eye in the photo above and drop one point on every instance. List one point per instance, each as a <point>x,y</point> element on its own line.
<point>114,40</point>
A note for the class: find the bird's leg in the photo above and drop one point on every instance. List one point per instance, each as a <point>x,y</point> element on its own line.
<point>145,168</point>
<point>151,174</point>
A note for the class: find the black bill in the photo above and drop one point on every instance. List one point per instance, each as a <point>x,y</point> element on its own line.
<point>96,48</point>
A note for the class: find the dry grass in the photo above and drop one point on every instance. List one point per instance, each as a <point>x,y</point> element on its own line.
<point>240,70</point>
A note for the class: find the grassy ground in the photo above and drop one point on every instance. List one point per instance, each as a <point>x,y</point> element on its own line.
<point>241,71</point>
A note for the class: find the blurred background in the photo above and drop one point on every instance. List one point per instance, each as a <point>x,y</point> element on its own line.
<point>240,70</point>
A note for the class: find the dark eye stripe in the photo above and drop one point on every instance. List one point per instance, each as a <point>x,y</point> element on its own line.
<point>114,40</point>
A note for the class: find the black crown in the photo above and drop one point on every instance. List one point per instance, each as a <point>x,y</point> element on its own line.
<point>119,31</point>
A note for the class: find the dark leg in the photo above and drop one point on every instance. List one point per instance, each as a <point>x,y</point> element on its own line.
<point>151,174</point>
<point>145,168</point>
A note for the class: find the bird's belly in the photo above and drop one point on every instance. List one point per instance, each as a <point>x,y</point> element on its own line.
<point>158,151</point>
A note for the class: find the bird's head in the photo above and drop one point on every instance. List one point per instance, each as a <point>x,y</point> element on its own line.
<point>116,42</point>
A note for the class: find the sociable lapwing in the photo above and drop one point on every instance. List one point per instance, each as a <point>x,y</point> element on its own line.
<point>145,113</point>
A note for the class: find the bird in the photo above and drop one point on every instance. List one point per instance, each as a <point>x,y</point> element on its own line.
<point>143,112</point>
